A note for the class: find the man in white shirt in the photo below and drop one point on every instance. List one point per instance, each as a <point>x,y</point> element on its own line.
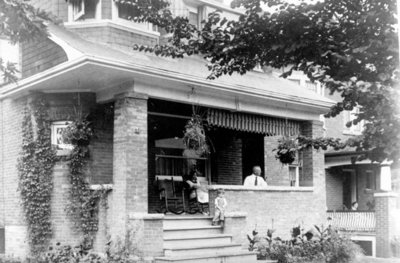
<point>255,178</point>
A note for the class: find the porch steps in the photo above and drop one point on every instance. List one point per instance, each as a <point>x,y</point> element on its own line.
<point>194,239</point>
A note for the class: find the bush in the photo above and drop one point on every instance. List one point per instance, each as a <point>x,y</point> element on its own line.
<point>326,246</point>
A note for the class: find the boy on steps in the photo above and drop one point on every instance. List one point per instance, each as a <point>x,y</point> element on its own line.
<point>220,205</point>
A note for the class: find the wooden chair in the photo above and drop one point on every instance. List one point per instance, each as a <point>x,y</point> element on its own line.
<point>171,202</point>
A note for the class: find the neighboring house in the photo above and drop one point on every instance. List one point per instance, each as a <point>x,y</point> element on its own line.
<point>348,181</point>
<point>140,105</point>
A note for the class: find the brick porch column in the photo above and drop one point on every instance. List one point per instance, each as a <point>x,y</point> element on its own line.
<point>130,173</point>
<point>313,160</point>
<point>385,205</point>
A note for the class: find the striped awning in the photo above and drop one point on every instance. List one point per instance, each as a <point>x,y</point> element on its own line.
<point>252,123</point>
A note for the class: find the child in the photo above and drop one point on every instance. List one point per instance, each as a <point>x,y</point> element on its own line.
<point>220,204</point>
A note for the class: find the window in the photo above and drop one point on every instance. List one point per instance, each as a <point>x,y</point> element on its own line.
<point>196,14</point>
<point>371,180</point>
<point>124,13</point>
<point>296,171</point>
<point>57,140</point>
<point>9,53</point>
<point>349,116</point>
<point>81,10</point>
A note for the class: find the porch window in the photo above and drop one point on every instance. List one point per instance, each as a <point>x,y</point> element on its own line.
<point>81,10</point>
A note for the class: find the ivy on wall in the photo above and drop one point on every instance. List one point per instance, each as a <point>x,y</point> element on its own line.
<point>35,169</point>
<point>83,205</point>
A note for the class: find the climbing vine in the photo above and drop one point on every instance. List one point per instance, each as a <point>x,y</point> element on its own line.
<point>83,202</point>
<point>35,168</point>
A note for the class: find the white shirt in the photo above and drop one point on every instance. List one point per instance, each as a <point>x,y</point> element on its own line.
<point>251,179</point>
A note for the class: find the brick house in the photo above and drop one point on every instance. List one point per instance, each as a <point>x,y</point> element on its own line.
<point>142,103</point>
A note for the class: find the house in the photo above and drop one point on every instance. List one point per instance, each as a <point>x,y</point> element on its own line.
<point>140,104</point>
<point>363,182</point>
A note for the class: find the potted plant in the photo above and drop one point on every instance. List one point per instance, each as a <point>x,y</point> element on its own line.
<point>286,150</point>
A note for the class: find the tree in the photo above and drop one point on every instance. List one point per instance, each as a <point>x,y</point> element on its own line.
<point>19,21</point>
<point>350,46</point>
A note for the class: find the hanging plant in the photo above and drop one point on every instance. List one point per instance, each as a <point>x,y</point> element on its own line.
<point>194,136</point>
<point>286,150</point>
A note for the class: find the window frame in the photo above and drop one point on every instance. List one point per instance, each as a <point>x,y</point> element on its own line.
<point>141,27</point>
<point>297,165</point>
<point>74,18</point>
<point>353,129</point>
<point>61,149</point>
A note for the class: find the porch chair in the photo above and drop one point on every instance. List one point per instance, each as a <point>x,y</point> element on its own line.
<point>170,201</point>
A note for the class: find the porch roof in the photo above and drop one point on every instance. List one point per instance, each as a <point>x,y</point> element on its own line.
<point>99,67</point>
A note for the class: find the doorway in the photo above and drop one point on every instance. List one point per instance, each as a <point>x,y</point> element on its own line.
<point>252,153</point>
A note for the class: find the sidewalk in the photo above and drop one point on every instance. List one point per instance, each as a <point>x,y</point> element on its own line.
<point>380,260</point>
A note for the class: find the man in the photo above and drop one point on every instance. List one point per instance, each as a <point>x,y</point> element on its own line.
<point>255,178</point>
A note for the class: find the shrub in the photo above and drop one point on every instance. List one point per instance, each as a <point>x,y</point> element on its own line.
<point>323,246</point>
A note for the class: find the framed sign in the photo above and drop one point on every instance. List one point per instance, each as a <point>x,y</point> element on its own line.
<point>57,140</point>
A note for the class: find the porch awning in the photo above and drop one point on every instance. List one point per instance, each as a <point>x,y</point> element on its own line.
<point>253,123</point>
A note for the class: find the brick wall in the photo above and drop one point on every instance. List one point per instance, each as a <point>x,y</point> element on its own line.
<point>15,231</point>
<point>63,229</point>
<point>229,161</point>
<point>39,55</point>
<point>130,166</point>
<point>145,235</point>
<point>334,189</point>
<point>385,223</point>
<point>274,209</point>
<point>276,173</point>
<point>63,106</point>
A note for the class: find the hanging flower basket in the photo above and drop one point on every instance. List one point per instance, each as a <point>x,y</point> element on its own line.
<point>194,136</point>
<point>78,133</point>
<point>287,150</point>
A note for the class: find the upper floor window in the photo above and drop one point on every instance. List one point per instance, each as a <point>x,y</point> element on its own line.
<point>9,53</point>
<point>81,10</point>
<point>348,116</point>
<point>124,13</point>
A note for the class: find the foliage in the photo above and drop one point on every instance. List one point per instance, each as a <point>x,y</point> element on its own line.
<point>323,246</point>
<point>349,46</point>
<point>83,202</point>
<point>35,168</point>
<point>194,136</point>
<point>77,254</point>
<point>286,150</point>
<point>19,21</point>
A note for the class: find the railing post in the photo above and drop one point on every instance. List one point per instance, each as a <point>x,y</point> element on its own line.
<point>385,222</point>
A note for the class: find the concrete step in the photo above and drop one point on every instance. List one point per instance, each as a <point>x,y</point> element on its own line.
<point>187,232</point>
<point>187,221</point>
<point>201,250</point>
<point>236,257</point>
<point>218,239</point>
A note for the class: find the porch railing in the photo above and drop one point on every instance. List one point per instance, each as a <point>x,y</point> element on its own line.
<point>353,220</point>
